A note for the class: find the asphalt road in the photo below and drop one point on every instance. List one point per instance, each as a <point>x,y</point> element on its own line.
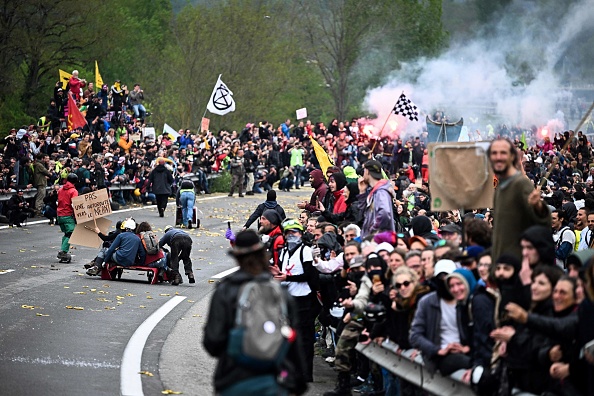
<point>65,333</point>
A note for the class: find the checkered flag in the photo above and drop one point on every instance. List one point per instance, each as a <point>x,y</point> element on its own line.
<point>406,108</point>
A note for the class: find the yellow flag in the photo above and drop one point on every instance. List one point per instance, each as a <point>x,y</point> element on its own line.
<point>323,158</point>
<point>64,77</point>
<point>98,79</point>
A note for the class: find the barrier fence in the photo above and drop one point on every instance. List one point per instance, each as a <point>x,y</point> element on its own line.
<point>414,371</point>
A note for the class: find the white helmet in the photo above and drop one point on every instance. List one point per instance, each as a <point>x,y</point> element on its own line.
<point>128,224</point>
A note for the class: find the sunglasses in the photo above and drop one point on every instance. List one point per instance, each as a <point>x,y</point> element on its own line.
<point>399,285</point>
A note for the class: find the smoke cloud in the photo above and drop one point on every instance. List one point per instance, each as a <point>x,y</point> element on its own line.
<point>508,73</point>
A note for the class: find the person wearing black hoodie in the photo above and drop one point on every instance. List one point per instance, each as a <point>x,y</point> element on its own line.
<point>316,178</point>
<point>421,226</point>
<point>270,203</point>
<point>352,214</point>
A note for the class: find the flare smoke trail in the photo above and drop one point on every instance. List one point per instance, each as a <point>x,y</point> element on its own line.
<point>512,67</point>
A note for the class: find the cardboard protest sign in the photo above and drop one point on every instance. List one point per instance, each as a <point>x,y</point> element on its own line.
<point>93,205</point>
<point>148,132</point>
<point>301,113</point>
<point>205,124</point>
<point>460,176</point>
<point>135,137</point>
<point>84,234</point>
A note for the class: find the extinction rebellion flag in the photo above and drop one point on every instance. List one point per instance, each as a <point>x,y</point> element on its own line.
<point>406,108</point>
<point>221,101</point>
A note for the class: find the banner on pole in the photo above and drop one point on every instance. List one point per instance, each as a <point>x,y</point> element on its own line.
<point>221,100</point>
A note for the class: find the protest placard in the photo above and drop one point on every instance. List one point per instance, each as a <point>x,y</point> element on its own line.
<point>460,175</point>
<point>84,234</point>
<point>301,113</point>
<point>93,205</point>
<point>205,124</point>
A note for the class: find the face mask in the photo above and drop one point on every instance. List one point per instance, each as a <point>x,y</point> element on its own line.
<point>355,276</point>
<point>293,240</point>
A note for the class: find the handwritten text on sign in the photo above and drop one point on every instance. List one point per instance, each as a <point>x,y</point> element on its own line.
<point>92,205</point>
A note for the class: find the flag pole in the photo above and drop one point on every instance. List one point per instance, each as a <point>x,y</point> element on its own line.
<point>381,130</point>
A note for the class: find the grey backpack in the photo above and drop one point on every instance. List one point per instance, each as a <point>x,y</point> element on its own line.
<point>262,335</point>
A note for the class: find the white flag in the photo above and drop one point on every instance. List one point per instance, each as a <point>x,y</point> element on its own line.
<point>221,101</point>
<point>172,132</point>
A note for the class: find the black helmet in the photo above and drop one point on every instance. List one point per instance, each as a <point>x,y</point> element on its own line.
<point>72,178</point>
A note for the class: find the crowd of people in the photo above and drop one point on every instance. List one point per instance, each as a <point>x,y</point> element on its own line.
<point>497,292</point>
<point>503,294</point>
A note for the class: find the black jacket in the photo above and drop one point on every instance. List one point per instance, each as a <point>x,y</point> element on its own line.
<point>161,179</point>
<point>262,208</point>
<point>221,318</point>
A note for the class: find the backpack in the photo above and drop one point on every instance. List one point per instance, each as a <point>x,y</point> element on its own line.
<point>150,242</point>
<point>261,335</point>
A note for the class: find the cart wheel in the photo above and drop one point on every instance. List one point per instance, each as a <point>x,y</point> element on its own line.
<point>113,274</point>
<point>120,272</point>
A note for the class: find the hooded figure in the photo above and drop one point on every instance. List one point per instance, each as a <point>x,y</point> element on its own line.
<point>422,226</point>
<point>542,239</point>
<point>269,204</point>
<point>512,289</point>
<point>318,183</point>
<point>328,243</point>
<point>335,202</point>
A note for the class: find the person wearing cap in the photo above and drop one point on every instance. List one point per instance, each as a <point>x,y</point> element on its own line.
<point>518,204</point>
<point>272,234</point>
<point>375,200</point>
<point>160,180</point>
<point>452,233</point>
<point>270,203</point>
<point>298,274</point>
<point>230,378</point>
<point>180,243</point>
<point>434,330</point>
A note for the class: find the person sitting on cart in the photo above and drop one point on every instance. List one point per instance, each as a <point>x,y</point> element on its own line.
<point>158,260</point>
<point>124,249</point>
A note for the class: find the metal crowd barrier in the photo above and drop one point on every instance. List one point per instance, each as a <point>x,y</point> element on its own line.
<point>414,371</point>
<point>113,187</point>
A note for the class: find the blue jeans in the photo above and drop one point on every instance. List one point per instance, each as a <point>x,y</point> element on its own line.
<point>297,170</point>
<point>187,199</point>
<point>148,197</point>
<point>391,383</point>
<point>139,110</point>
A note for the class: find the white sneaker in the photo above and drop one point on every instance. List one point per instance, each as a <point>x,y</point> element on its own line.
<point>330,359</point>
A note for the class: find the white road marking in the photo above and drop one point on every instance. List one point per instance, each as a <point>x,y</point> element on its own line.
<point>130,379</point>
<point>2,272</point>
<point>225,273</point>
<point>46,361</point>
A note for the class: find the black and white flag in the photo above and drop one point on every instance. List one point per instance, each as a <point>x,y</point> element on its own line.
<point>221,101</point>
<point>406,108</point>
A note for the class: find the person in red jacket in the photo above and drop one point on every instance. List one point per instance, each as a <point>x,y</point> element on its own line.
<point>66,219</point>
<point>75,84</point>
<point>316,179</point>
